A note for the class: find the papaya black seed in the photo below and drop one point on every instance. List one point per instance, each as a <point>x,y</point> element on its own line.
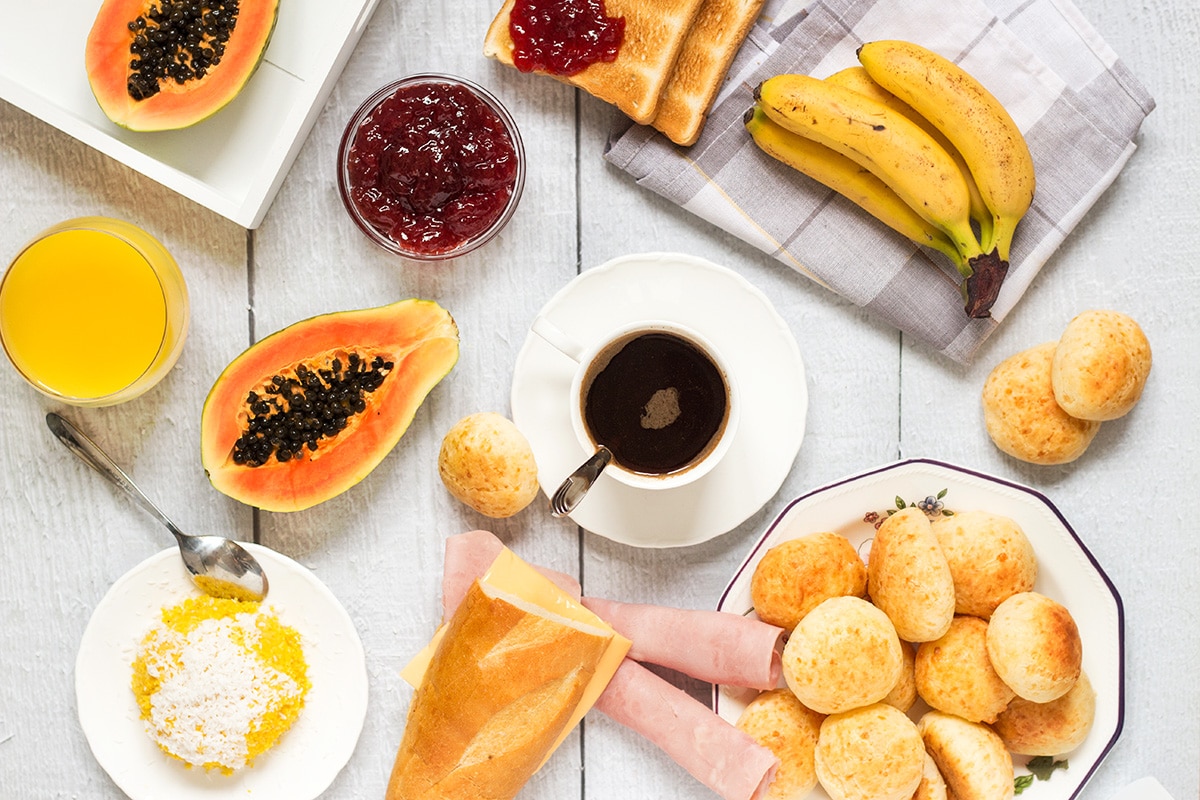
<point>309,405</point>
<point>177,40</point>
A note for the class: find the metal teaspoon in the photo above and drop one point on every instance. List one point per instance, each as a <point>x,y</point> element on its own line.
<point>576,485</point>
<point>219,566</point>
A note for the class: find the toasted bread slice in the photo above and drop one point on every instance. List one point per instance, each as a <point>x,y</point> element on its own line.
<point>634,81</point>
<point>713,41</point>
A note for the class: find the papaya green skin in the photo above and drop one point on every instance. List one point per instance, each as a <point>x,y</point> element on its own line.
<point>419,336</point>
<point>107,61</point>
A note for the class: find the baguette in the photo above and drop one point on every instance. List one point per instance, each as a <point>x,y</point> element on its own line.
<point>654,34</point>
<point>500,690</point>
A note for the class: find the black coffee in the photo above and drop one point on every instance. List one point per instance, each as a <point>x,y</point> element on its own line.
<point>657,401</point>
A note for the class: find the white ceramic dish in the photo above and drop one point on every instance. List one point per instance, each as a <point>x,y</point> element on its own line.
<point>233,162</point>
<point>740,321</point>
<point>306,759</point>
<point>1067,572</point>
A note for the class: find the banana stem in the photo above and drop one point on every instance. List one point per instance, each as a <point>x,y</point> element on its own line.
<point>983,285</point>
<point>1002,236</point>
<point>947,249</point>
<point>987,227</point>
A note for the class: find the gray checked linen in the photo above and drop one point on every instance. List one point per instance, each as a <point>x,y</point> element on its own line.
<point>1078,105</point>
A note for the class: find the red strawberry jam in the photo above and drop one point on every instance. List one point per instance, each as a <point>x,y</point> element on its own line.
<point>431,167</point>
<point>563,37</point>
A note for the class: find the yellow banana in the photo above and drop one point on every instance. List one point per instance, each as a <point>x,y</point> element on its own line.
<point>858,79</point>
<point>848,179</point>
<point>970,117</point>
<point>883,141</point>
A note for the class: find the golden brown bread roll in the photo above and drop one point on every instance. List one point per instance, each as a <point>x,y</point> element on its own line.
<point>932,785</point>
<point>904,694</point>
<point>1049,729</point>
<point>969,755</point>
<point>870,753</point>
<point>955,675</point>
<point>1022,417</point>
<point>990,558</point>
<point>783,725</point>
<point>1034,645</point>
<point>523,670</point>
<point>1100,365</point>
<point>488,464</point>
<point>844,654</point>
<point>795,576</point>
<point>908,577</point>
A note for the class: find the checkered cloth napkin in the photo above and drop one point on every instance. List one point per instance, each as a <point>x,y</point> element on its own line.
<point>1078,105</point>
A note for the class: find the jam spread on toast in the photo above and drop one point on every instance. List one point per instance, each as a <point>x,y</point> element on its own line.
<point>563,37</point>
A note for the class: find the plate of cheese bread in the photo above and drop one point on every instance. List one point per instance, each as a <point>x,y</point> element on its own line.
<point>947,632</point>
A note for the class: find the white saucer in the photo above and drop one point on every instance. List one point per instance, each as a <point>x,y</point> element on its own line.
<point>740,321</point>
<point>307,758</point>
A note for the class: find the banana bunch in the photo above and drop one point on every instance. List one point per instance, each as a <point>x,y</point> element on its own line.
<point>916,142</point>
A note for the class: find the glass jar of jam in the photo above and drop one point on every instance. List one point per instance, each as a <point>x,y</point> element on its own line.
<point>431,166</point>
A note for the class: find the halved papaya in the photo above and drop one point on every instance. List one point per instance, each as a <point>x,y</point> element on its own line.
<point>161,64</point>
<point>309,411</point>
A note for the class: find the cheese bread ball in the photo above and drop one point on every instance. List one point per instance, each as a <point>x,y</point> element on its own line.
<point>1022,417</point>
<point>843,655</point>
<point>870,753</point>
<point>1034,645</point>
<point>969,755</point>
<point>782,724</point>
<point>1100,365</point>
<point>793,577</point>
<point>904,694</point>
<point>908,577</point>
<point>488,464</point>
<point>932,785</point>
<point>955,675</point>
<point>1049,729</point>
<point>990,558</point>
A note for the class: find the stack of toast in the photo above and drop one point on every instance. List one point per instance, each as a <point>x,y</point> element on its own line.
<point>670,66</point>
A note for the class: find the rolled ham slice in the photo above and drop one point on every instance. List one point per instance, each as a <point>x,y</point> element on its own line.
<point>720,756</point>
<point>468,556</point>
<point>713,646</point>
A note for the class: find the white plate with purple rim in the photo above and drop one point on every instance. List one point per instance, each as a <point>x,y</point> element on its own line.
<point>1067,572</point>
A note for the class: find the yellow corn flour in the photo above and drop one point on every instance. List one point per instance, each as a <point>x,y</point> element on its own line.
<point>219,681</point>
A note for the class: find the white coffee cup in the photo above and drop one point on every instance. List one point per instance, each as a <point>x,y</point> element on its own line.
<point>675,417</point>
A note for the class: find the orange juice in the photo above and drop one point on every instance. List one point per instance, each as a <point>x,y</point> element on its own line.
<point>93,311</point>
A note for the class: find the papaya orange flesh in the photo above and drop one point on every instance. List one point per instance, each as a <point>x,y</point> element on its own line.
<point>415,342</point>
<point>181,82</point>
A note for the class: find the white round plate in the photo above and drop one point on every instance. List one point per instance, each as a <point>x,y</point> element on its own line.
<point>740,321</point>
<point>1067,572</point>
<point>306,759</point>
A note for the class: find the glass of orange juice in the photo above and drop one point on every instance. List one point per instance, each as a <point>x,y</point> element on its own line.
<point>93,311</point>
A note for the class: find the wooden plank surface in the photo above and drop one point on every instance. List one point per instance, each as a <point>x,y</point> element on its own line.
<point>65,536</point>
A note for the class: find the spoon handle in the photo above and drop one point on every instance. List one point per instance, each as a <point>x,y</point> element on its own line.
<point>91,454</point>
<point>571,491</point>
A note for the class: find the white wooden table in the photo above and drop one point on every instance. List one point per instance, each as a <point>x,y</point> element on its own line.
<point>66,536</point>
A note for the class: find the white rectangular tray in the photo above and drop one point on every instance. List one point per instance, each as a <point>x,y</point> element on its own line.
<point>233,162</point>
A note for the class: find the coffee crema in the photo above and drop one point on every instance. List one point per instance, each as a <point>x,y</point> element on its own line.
<point>657,401</point>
